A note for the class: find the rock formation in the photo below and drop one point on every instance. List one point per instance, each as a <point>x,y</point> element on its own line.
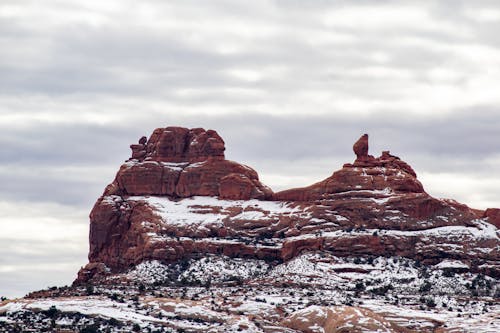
<point>339,319</point>
<point>185,241</point>
<point>180,163</point>
<point>360,147</point>
<point>493,216</point>
<point>177,197</point>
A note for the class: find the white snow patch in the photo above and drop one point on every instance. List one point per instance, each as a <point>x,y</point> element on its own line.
<point>196,210</point>
<point>253,307</point>
<point>219,269</point>
<point>174,166</point>
<point>149,272</point>
<point>451,264</point>
<point>91,306</point>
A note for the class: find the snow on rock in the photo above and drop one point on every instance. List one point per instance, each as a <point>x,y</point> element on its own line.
<point>187,310</point>
<point>96,306</point>
<point>220,269</point>
<point>149,272</point>
<point>453,264</point>
<point>316,319</point>
<point>253,307</point>
<point>197,210</point>
<point>459,320</point>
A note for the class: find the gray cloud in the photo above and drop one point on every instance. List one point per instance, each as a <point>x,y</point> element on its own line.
<point>112,58</point>
<point>290,85</point>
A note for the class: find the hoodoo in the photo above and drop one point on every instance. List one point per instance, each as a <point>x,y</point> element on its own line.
<point>360,147</point>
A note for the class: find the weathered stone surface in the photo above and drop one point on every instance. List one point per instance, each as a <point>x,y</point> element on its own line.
<point>205,178</point>
<point>493,215</point>
<point>360,147</point>
<point>142,178</point>
<point>339,319</point>
<point>139,150</point>
<point>385,172</point>
<point>181,162</point>
<point>235,186</point>
<point>178,144</point>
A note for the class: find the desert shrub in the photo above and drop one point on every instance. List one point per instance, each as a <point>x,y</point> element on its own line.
<point>381,291</point>
<point>115,322</point>
<point>52,312</point>
<point>425,287</point>
<point>90,329</point>
<point>89,289</point>
<point>430,303</point>
<point>448,273</point>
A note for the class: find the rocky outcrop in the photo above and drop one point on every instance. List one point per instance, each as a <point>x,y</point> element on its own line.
<point>178,198</point>
<point>174,162</point>
<point>360,148</point>
<point>339,319</point>
<point>365,174</point>
<point>178,145</point>
<point>180,162</point>
<point>493,216</point>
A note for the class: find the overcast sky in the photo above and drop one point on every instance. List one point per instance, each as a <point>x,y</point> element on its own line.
<point>289,85</point>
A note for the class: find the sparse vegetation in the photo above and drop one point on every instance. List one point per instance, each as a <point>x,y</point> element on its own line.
<point>425,287</point>
<point>90,329</point>
<point>381,291</point>
<point>391,283</point>
<point>430,303</point>
<point>89,289</point>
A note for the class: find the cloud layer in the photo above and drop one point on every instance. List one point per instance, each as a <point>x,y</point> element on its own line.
<point>290,85</point>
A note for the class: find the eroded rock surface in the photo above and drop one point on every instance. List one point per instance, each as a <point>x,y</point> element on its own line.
<point>180,163</point>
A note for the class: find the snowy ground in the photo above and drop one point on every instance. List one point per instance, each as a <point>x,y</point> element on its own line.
<point>220,294</point>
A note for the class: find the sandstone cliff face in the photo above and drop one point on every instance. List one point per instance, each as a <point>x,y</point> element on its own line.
<point>174,162</point>
<point>177,198</point>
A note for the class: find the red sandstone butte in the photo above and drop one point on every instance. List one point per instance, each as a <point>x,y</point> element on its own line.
<point>178,197</point>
